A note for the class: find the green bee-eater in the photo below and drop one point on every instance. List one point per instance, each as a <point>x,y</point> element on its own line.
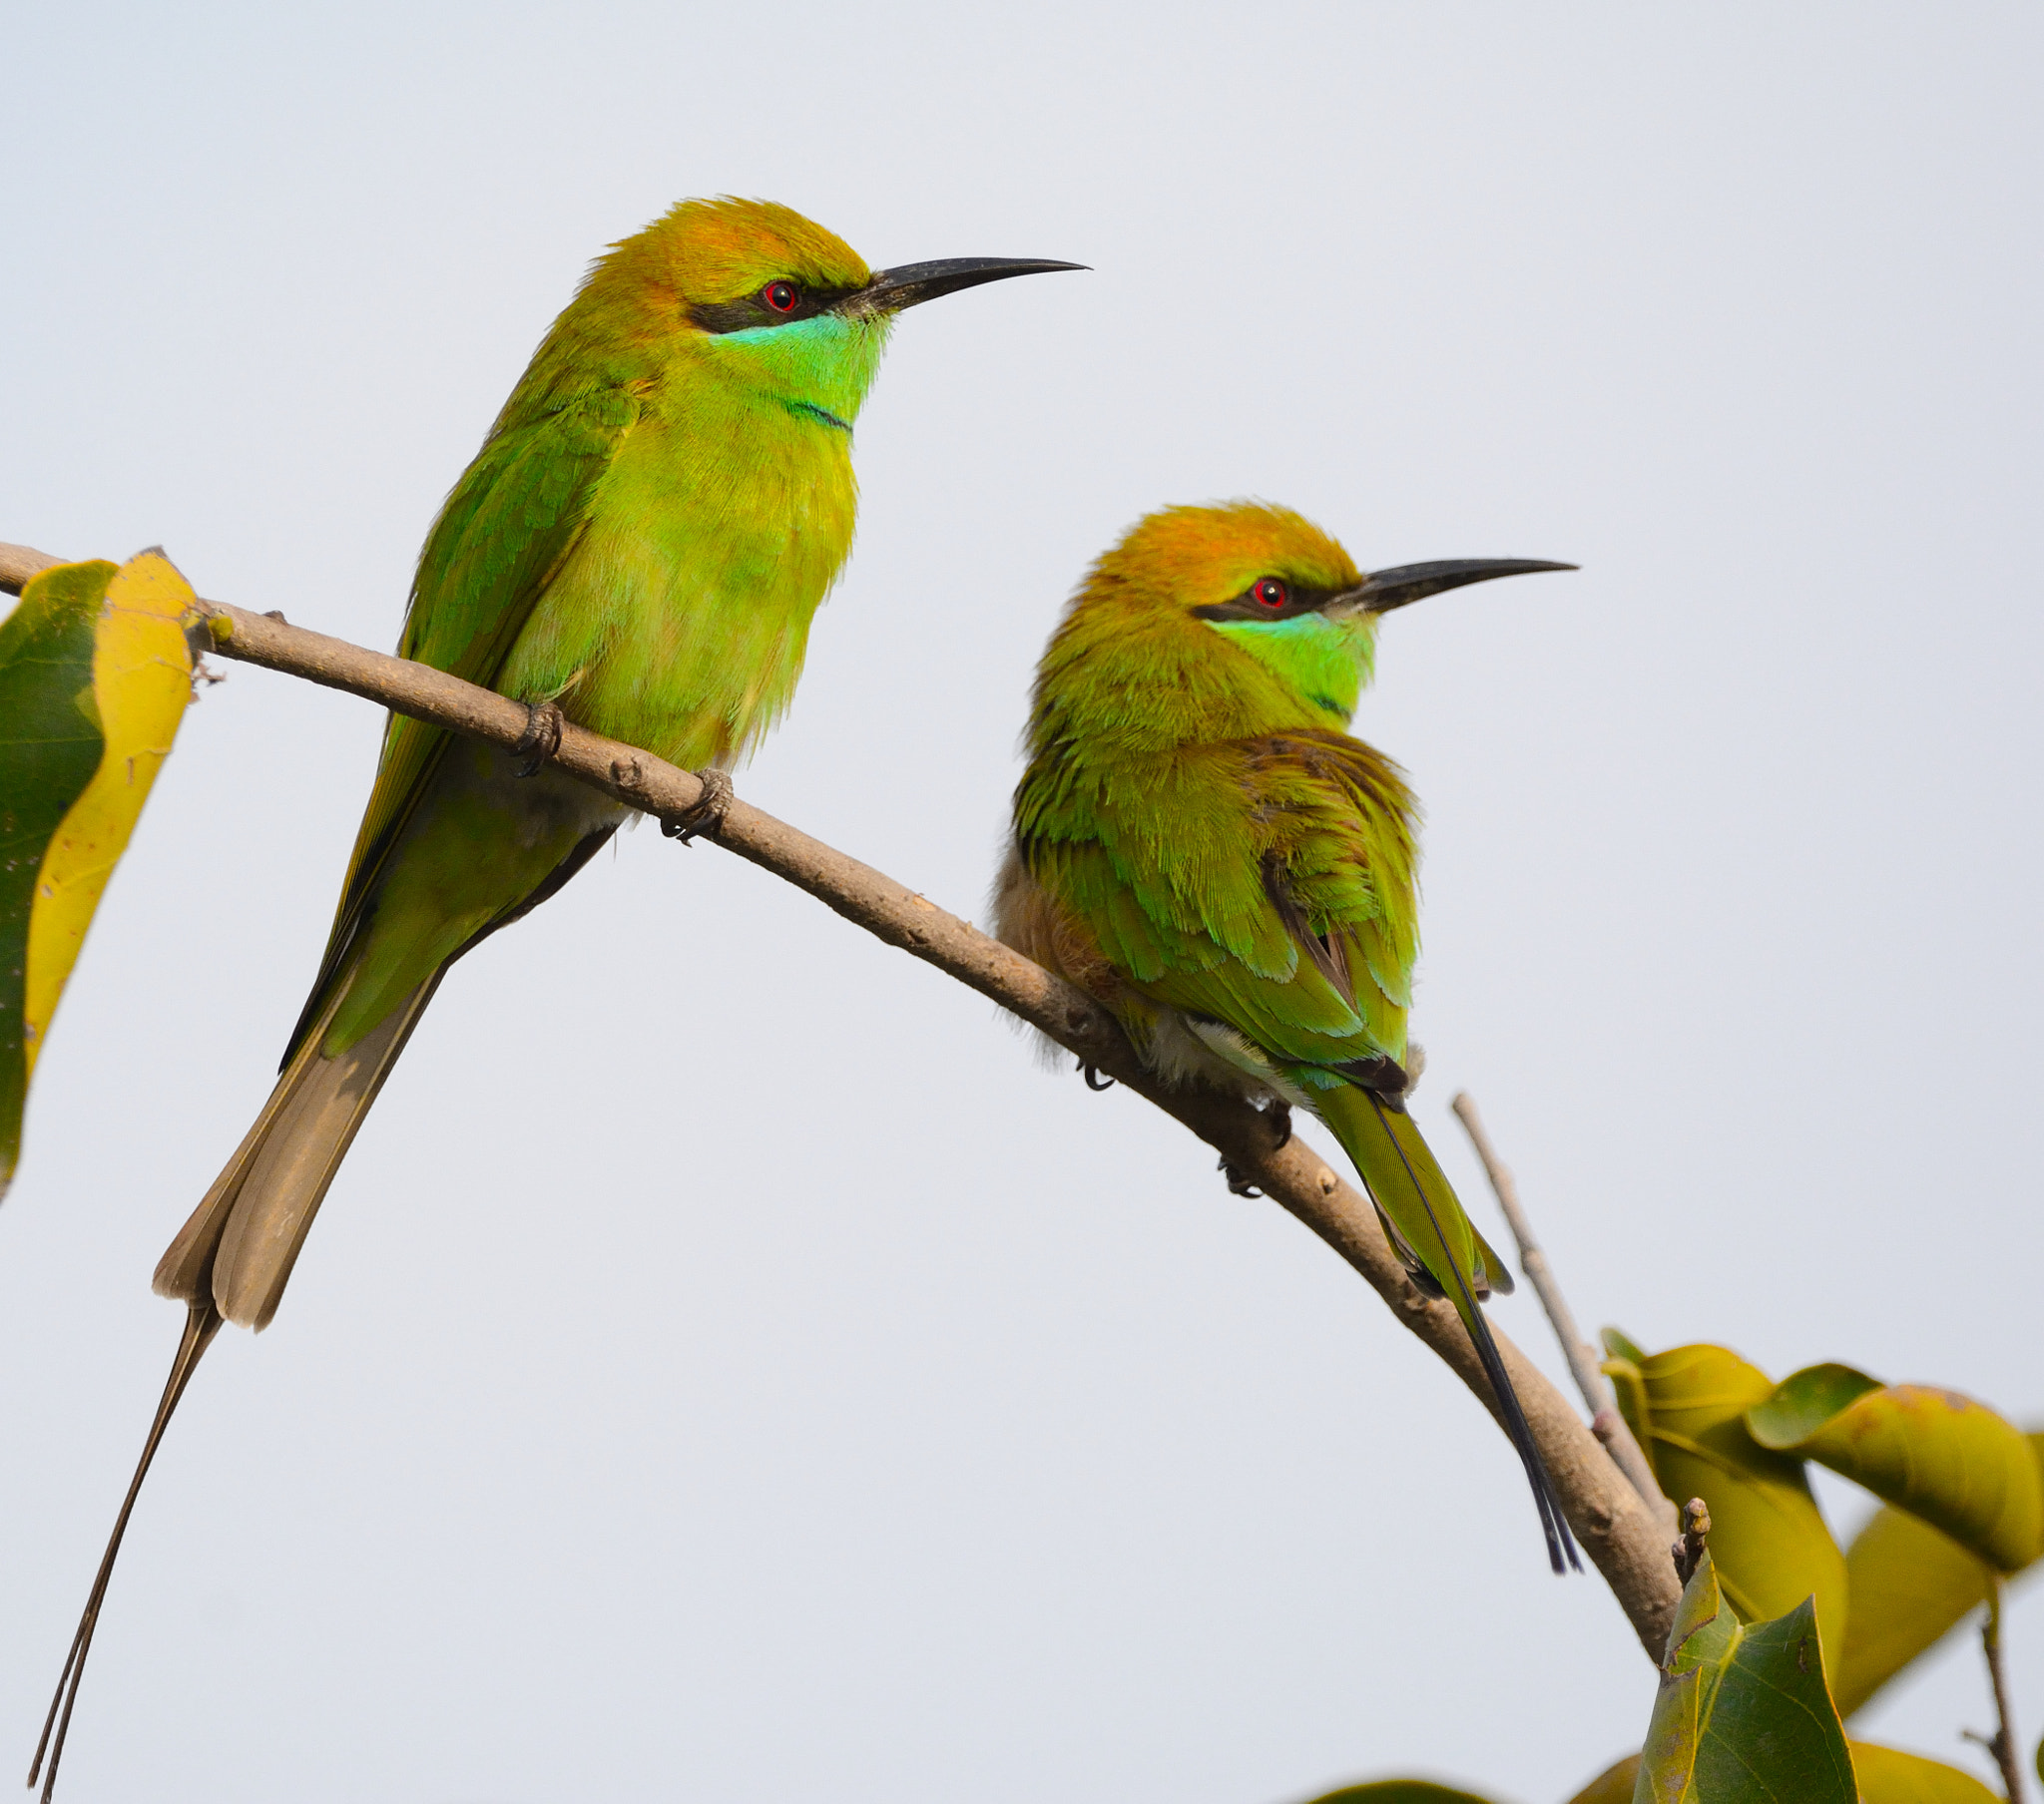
<point>1199,844</point>
<point>640,542</point>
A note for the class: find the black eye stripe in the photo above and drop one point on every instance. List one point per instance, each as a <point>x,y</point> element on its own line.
<point>1298,600</point>
<point>757,310</point>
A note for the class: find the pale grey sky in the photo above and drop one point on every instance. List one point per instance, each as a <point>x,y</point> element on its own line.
<point>727,1367</point>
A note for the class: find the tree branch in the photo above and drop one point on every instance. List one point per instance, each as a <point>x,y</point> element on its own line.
<point>1605,1422</point>
<point>1615,1528</point>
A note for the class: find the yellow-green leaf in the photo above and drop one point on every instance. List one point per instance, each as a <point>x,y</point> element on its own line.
<point>95,677</point>
<point>1401,1791</point>
<point>50,745</point>
<point>1888,1776</point>
<point>1885,1775</point>
<point>1742,1716</point>
<point>1935,1453</point>
<point>1911,1585</point>
<point>1614,1785</point>
<point>1686,1407</point>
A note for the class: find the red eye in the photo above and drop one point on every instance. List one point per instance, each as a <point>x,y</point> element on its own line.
<point>781,296</point>
<point>1268,592</point>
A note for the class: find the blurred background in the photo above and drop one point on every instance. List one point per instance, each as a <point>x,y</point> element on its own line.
<point>728,1367</point>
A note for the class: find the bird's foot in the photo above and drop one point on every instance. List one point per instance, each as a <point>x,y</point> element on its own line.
<point>541,737</point>
<point>706,816</point>
<point>1279,1115</point>
<point>1237,1182</point>
<point>1094,1081</point>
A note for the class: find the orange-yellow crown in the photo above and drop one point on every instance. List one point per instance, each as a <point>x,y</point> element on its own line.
<point>1197,556</point>
<point>705,252</point>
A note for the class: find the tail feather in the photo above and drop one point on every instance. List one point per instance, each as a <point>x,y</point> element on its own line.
<point>238,1249</point>
<point>1425,1220</point>
<point>185,1272</point>
<point>233,1258</point>
<point>202,1323</point>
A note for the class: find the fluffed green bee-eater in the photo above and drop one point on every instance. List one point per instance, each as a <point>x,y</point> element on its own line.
<point>1199,843</point>
<point>641,544</point>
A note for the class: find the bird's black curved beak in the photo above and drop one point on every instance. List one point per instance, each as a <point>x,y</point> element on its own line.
<point>910,285</point>
<point>1383,590</point>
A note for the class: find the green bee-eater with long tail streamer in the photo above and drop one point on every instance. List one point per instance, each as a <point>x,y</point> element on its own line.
<point>639,544</point>
<point>1199,843</point>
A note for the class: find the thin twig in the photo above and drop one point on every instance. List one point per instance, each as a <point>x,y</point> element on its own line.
<point>1605,1421</point>
<point>2003,1745</point>
<point>1616,1529</point>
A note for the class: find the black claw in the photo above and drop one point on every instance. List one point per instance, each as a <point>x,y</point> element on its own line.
<point>541,737</point>
<point>706,816</point>
<point>1237,1184</point>
<point>1094,1081</point>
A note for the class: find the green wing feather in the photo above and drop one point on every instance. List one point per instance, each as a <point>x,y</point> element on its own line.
<point>1305,946</point>
<point>1266,883</point>
<point>508,525</point>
